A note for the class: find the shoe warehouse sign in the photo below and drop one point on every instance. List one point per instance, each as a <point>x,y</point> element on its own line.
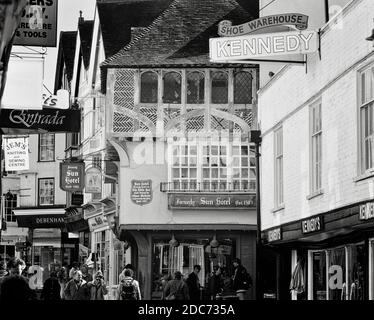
<point>263,45</point>
<point>50,120</point>
<point>211,201</point>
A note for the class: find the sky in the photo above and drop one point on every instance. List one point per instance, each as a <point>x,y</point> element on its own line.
<point>68,14</point>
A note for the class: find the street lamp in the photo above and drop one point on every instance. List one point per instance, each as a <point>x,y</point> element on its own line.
<point>256,139</point>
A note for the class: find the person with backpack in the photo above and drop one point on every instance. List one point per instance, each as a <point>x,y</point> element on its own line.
<point>242,281</point>
<point>128,288</point>
<point>176,289</point>
<point>51,288</point>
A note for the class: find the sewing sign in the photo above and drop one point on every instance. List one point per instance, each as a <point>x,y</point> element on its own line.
<point>300,21</point>
<point>141,192</point>
<point>16,153</point>
<point>38,24</point>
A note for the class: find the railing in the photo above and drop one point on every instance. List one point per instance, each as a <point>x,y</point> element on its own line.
<point>188,186</point>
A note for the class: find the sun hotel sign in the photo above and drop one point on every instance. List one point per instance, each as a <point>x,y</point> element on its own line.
<point>244,42</point>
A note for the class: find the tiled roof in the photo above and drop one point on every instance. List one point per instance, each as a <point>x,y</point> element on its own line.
<point>180,35</point>
<point>118,16</point>
<point>66,53</point>
<point>85,29</point>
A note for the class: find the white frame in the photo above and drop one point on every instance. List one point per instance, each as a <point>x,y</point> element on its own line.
<point>315,136</point>
<point>278,176</point>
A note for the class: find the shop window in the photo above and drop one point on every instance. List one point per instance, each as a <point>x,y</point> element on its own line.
<point>102,248</point>
<point>315,115</point>
<point>243,88</point>
<point>46,147</point>
<point>148,87</point>
<point>366,99</point>
<point>195,87</point>
<point>319,276</point>
<point>219,87</point>
<point>172,88</point>
<point>356,273</point>
<point>46,191</point>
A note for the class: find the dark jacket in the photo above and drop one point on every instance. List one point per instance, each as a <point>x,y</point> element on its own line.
<point>75,291</point>
<point>193,286</point>
<point>215,284</point>
<point>97,289</point>
<point>178,288</point>
<point>16,288</point>
<point>239,278</point>
<point>51,289</point>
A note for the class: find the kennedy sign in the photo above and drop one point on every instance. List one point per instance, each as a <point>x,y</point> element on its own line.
<point>300,21</point>
<point>51,120</point>
<point>72,176</point>
<point>262,46</point>
<point>212,201</point>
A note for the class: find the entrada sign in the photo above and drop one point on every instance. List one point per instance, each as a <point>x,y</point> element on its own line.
<point>300,21</point>
<point>262,45</point>
<point>72,176</point>
<point>312,225</point>
<point>51,120</point>
<point>212,201</point>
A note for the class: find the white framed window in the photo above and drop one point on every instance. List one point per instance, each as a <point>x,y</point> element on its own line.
<point>102,249</point>
<point>315,118</point>
<point>366,121</point>
<point>46,191</point>
<point>212,165</point>
<point>278,168</point>
<point>46,147</point>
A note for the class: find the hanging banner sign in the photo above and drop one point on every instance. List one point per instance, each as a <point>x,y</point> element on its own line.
<point>50,120</point>
<point>300,21</point>
<point>16,153</point>
<point>72,176</point>
<point>59,101</point>
<point>141,192</point>
<point>262,45</point>
<point>38,24</point>
<point>93,180</point>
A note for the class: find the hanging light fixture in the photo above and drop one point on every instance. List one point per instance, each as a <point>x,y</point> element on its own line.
<point>173,242</point>
<point>214,243</point>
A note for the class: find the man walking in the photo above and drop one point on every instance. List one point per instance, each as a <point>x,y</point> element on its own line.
<point>193,283</point>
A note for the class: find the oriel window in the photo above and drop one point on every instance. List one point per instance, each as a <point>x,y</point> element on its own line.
<point>219,87</point>
<point>172,88</point>
<point>195,87</point>
<point>148,87</point>
<point>242,88</point>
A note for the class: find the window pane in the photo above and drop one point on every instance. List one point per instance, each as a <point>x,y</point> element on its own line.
<point>46,191</point>
<point>195,87</point>
<point>243,88</point>
<point>336,273</point>
<point>172,88</point>
<point>319,276</point>
<point>219,87</point>
<point>47,147</point>
<point>149,87</point>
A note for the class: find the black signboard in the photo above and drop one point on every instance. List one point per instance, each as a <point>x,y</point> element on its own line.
<point>141,192</point>
<point>72,176</point>
<point>76,199</point>
<point>44,221</point>
<point>212,201</point>
<point>311,225</point>
<point>48,119</point>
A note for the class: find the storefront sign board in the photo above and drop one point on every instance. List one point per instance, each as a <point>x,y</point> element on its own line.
<point>41,221</point>
<point>212,201</point>
<point>97,222</point>
<point>141,192</point>
<point>311,225</point>
<point>38,25</point>
<point>16,152</point>
<point>274,235</point>
<point>366,211</point>
<point>72,176</point>
<point>262,46</point>
<point>300,21</point>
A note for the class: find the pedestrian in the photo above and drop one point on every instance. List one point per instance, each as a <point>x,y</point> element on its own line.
<point>128,288</point>
<point>15,287</point>
<point>74,267</point>
<point>193,283</point>
<point>242,281</point>
<point>76,288</point>
<point>215,283</point>
<point>62,277</point>
<point>3,271</point>
<point>51,288</point>
<point>176,289</point>
<point>127,266</point>
<point>86,276</point>
<point>98,287</point>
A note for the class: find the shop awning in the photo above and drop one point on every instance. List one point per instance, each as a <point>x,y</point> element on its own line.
<point>75,220</point>
<point>41,217</point>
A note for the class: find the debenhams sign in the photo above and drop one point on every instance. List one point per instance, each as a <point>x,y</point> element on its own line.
<point>51,120</point>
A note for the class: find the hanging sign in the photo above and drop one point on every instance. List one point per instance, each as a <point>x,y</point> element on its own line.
<point>72,176</point>
<point>141,192</point>
<point>16,153</point>
<point>59,101</point>
<point>38,24</point>
<point>93,180</point>
<point>265,45</point>
<point>300,21</point>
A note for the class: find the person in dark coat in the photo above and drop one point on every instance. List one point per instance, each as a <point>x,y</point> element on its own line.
<point>240,279</point>
<point>193,283</point>
<point>51,288</point>
<point>215,283</point>
<point>76,288</point>
<point>97,287</point>
<point>86,276</point>
<point>15,287</point>
<point>176,288</point>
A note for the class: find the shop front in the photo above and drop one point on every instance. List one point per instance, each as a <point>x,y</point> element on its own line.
<point>331,254</point>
